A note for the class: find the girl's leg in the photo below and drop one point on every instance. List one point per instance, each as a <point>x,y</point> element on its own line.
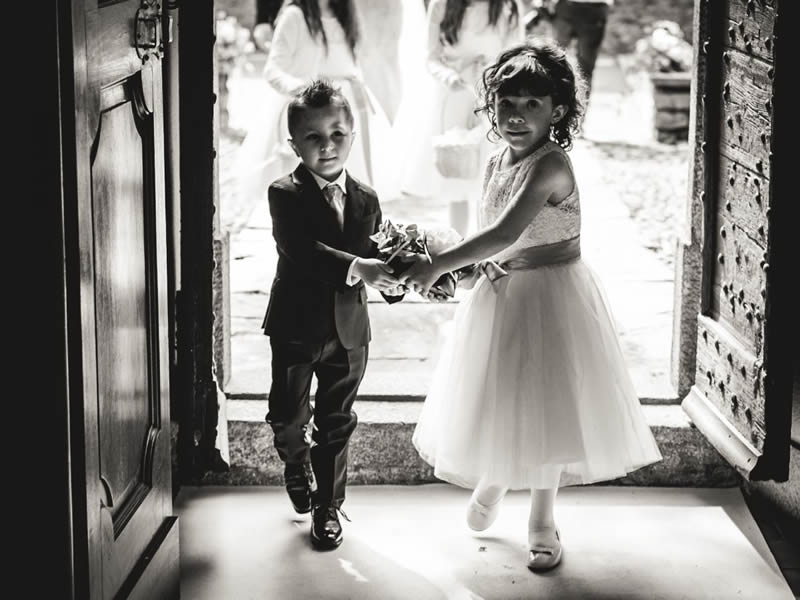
<point>542,503</point>
<point>484,505</point>
<point>543,537</point>
<point>489,494</point>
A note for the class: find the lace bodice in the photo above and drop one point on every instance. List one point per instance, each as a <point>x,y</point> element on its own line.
<point>553,223</point>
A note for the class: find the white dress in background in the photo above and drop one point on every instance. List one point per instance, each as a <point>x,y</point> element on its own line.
<point>429,107</point>
<point>294,60</point>
<point>532,378</point>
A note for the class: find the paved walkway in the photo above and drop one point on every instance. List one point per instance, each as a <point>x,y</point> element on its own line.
<point>406,336</point>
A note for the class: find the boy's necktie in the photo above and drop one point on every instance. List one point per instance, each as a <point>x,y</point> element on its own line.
<point>335,197</point>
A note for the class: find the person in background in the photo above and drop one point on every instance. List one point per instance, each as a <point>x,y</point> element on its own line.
<point>313,39</point>
<point>463,37</point>
<point>583,21</point>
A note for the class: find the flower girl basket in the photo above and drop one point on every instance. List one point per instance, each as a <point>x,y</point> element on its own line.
<point>458,153</point>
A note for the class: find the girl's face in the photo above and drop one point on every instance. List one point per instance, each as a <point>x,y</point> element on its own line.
<point>524,120</point>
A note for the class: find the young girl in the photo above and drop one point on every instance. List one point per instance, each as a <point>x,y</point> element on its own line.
<point>463,37</point>
<point>313,39</point>
<point>531,391</point>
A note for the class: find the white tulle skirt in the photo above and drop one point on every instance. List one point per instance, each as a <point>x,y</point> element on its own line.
<point>532,381</point>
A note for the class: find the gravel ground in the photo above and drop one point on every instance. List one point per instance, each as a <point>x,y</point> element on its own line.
<point>652,182</point>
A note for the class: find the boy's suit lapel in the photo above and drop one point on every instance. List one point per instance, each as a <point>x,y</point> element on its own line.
<point>318,207</point>
<point>353,210</point>
<point>324,215</point>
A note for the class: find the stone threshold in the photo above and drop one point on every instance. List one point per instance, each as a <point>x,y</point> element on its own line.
<point>381,451</point>
<point>263,397</point>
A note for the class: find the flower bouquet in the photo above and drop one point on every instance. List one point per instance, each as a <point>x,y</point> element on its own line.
<point>396,242</point>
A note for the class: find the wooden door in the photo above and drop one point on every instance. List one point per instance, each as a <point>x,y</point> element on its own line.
<point>741,397</point>
<point>131,544</point>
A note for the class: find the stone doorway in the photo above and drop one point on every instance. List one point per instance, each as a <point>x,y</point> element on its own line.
<point>634,193</point>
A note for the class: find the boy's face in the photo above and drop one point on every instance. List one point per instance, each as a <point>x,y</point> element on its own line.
<point>323,139</point>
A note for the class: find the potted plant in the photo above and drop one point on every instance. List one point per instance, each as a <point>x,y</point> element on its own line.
<point>668,58</point>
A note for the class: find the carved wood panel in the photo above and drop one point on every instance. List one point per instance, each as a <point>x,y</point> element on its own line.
<point>751,27</point>
<point>126,317</point>
<point>746,111</point>
<point>121,220</point>
<point>735,371</point>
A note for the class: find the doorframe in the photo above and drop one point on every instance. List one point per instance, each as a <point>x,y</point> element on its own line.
<point>196,405</point>
<point>52,321</point>
<point>703,126</point>
<point>693,253</point>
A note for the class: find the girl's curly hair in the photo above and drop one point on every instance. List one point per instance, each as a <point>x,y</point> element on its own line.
<point>539,67</point>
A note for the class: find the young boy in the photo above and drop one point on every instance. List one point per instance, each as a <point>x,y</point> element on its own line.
<point>317,315</point>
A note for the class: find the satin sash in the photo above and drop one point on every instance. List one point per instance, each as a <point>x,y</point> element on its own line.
<point>532,258</point>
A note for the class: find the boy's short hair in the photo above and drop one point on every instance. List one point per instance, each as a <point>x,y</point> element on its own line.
<point>318,94</point>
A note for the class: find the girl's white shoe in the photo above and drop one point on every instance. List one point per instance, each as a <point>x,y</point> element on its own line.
<point>480,516</point>
<point>544,549</point>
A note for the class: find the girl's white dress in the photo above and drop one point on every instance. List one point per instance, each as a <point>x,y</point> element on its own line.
<point>295,59</point>
<point>429,107</point>
<point>532,378</point>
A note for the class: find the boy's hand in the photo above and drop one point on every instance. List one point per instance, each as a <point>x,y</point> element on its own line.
<point>376,273</point>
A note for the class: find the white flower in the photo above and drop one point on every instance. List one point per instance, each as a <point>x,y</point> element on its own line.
<point>439,240</point>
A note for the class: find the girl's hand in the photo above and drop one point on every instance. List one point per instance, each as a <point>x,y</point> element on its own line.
<point>420,277</point>
<point>398,290</point>
<point>434,296</point>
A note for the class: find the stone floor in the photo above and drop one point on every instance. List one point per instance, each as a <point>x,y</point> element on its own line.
<point>411,543</point>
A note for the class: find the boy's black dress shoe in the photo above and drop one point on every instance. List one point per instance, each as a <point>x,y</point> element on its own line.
<point>326,530</point>
<point>300,484</point>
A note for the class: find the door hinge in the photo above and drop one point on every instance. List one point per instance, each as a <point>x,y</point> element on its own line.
<point>152,30</point>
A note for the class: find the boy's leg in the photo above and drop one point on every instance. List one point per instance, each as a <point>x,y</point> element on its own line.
<point>289,414</point>
<point>339,373</point>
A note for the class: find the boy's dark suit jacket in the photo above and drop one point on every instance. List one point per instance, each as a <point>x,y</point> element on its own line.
<point>310,300</point>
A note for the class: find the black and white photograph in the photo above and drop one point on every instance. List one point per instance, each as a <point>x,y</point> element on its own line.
<point>415,300</point>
